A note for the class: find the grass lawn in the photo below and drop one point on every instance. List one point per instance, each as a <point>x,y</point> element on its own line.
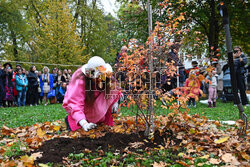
<point>25,116</point>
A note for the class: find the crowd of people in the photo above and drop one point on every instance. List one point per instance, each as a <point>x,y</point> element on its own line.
<point>188,72</point>
<point>20,87</point>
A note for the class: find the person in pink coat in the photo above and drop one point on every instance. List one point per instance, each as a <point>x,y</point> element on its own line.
<point>86,99</point>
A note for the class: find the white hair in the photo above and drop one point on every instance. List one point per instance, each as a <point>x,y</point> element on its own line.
<point>45,67</point>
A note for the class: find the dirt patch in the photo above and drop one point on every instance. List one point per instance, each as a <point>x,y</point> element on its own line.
<point>54,150</point>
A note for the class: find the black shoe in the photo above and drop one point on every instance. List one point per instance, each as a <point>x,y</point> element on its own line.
<point>67,124</point>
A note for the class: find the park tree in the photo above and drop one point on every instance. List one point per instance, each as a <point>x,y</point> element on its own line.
<point>202,19</point>
<point>55,39</point>
<point>98,31</point>
<point>13,30</point>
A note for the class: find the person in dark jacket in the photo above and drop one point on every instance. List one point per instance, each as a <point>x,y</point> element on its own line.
<point>59,80</point>
<point>240,61</point>
<point>173,56</point>
<point>1,87</point>
<point>32,98</point>
<point>62,91</point>
<point>8,85</point>
<point>54,75</point>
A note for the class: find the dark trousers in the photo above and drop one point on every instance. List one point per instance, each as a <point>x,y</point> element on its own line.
<point>191,100</point>
<point>32,94</point>
<point>1,95</point>
<point>242,87</point>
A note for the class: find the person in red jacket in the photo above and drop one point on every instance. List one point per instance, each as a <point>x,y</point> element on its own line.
<point>15,92</point>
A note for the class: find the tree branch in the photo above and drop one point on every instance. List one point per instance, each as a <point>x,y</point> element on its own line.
<point>202,24</point>
<point>37,12</point>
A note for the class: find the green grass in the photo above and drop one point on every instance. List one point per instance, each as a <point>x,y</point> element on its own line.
<point>25,116</point>
<point>223,111</point>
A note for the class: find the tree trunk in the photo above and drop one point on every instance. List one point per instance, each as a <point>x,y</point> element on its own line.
<point>213,36</point>
<point>15,52</point>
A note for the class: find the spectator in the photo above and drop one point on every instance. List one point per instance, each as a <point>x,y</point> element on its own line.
<point>62,91</point>
<point>15,92</point>
<point>65,75</point>
<point>1,86</point>
<point>240,61</point>
<point>118,57</point>
<point>60,79</point>
<point>54,75</point>
<point>8,85</point>
<point>21,87</point>
<point>192,85</point>
<point>212,89</point>
<point>69,74</point>
<point>25,72</point>
<point>39,96</point>
<point>32,98</point>
<point>173,56</point>
<point>46,84</point>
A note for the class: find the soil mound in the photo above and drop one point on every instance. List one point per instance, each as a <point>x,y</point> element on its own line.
<point>54,150</point>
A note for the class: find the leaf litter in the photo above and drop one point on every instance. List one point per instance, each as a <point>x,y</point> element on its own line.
<point>184,134</point>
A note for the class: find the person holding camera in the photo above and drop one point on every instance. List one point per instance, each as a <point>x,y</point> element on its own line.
<point>240,61</point>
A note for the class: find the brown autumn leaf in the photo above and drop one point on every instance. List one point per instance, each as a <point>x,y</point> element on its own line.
<point>40,132</point>
<point>27,161</point>
<point>229,158</point>
<point>245,155</point>
<point>160,164</point>
<point>214,161</point>
<point>183,163</point>
<point>36,155</point>
<point>10,164</point>
<point>119,129</point>
<point>6,131</point>
<point>136,144</point>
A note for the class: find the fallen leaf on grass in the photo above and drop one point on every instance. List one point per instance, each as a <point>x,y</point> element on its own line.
<point>221,140</point>
<point>182,163</point>
<point>27,161</point>
<point>214,161</point>
<point>229,158</point>
<point>6,131</point>
<point>160,164</point>
<point>56,128</point>
<point>136,144</point>
<point>36,155</point>
<point>40,133</point>
<point>245,155</point>
<point>205,156</point>
<point>119,129</point>
<point>43,165</point>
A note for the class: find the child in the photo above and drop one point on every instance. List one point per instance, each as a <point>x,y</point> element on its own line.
<point>21,87</point>
<point>62,91</point>
<point>212,91</point>
<point>192,85</point>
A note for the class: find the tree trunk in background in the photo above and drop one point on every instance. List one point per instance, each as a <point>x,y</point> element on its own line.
<point>213,36</point>
<point>14,42</point>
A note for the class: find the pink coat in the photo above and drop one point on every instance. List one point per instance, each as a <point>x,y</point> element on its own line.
<point>75,106</point>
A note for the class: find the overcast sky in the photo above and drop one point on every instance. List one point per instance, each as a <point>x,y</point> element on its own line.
<point>110,6</point>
